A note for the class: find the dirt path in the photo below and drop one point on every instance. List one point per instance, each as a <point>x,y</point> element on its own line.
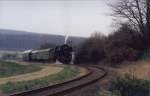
<point>47,70</point>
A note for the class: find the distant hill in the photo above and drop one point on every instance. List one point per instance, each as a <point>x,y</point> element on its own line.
<point>22,40</point>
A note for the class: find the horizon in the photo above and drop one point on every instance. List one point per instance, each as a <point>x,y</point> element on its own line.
<point>24,31</point>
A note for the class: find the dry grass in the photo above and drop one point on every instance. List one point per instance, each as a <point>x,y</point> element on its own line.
<point>82,71</point>
<point>47,70</point>
<point>139,69</point>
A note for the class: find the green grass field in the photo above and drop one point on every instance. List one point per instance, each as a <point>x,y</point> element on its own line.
<point>67,73</point>
<point>11,69</point>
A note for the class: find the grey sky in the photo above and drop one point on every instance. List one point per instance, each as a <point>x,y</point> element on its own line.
<point>71,17</point>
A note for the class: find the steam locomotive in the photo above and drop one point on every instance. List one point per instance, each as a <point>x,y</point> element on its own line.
<point>61,53</point>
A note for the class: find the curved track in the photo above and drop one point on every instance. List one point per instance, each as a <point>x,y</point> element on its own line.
<point>95,74</point>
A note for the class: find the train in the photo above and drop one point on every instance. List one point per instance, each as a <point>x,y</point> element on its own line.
<point>62,53</point>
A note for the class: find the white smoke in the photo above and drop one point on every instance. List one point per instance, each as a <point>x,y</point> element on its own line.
<point>66,38</point>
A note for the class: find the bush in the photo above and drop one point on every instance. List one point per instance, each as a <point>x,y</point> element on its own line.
<point>91,51</point>
<point>129,86</point>
<point>145,54</point>
<point>118,54</point>
<point>123,45</point>
<point>126,36</point>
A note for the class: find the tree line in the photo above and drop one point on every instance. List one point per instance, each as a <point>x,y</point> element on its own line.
<point>123,44</point>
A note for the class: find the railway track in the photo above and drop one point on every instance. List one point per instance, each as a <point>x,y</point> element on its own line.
<point>94,74</point>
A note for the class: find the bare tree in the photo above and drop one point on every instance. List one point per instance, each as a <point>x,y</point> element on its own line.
<point>137,12</point>
<point>148,13</point>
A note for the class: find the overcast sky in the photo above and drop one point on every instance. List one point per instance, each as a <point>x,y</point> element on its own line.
<point>64,17</point>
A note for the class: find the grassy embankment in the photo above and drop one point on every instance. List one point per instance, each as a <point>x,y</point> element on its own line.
<point>12,69</point>
<point>67,73</point>
<point>132,78</point>
<point>136,83</point>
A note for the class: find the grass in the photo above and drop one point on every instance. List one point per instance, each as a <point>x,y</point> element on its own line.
<point>11,69</point>
<point>108,93</point>
<point>12,87</point>
<point>130,86</point>
<point>139,69</point>
<point>45,71</point>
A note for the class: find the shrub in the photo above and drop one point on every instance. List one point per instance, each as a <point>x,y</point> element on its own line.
<point>145,54</point>
<point>126,36</point>
<point>129,86</point>
<point>123,45</point>
<point>118,54</point>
